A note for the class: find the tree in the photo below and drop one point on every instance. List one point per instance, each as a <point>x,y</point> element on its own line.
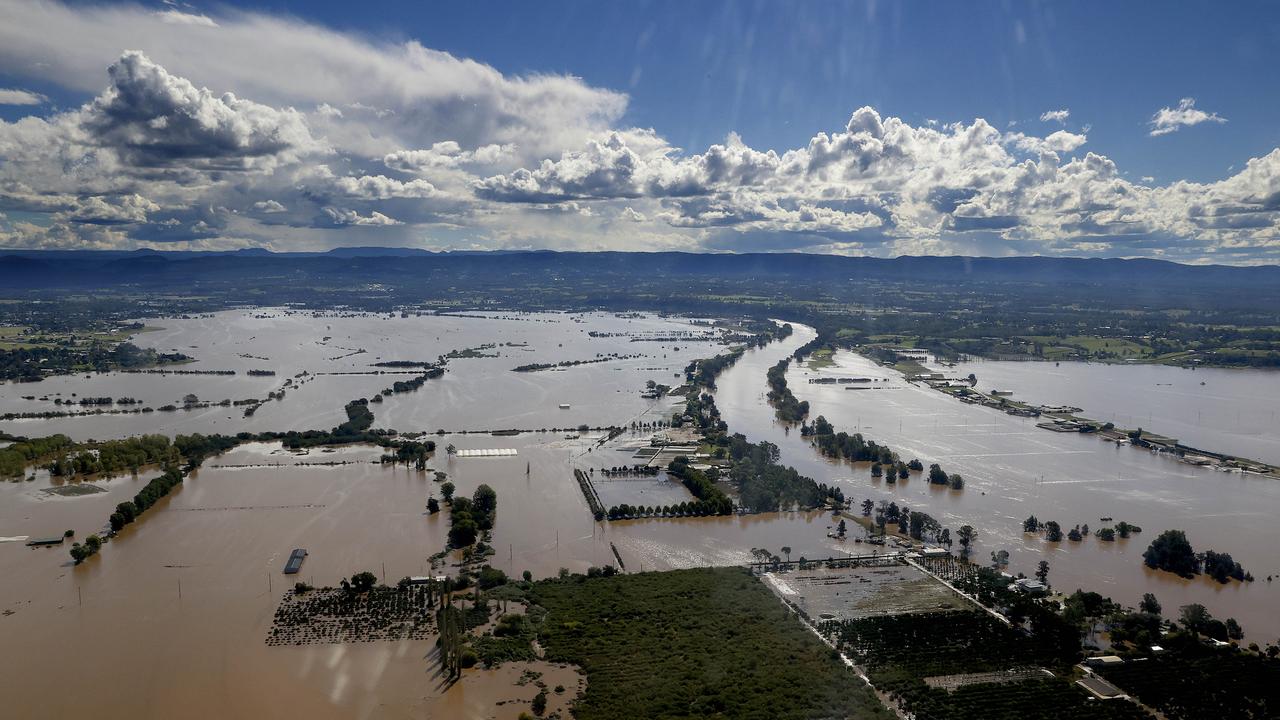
<point>1031,525</point>
<point>1042,572</point>
<point>433,505</point>
<point>1052,531</point>
<point>955,481</point>
<point>1194,617</point>
<point>484,503</point>
<point>999,559</point>
<point>1149,604</point>
<point>539,704</point>
<point>1234,631</point>
<point>1221,567</point>
<point>447,491</point>
<point>937,476</point>
<point>463,532</point>
<point>867,507</point>
<point>786,550</point>
<point>841,529</point>
<point>966,535</point>
<point>363,581</point>
<point>1172,551</point>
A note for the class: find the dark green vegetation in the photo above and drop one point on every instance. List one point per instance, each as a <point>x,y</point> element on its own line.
<point>693,643</point>
<point>113,456</point>
<point>43,356</point>
<point>1172,552</point>
<point>885,462</point>
<point>80,553</point>
<point>535,367</point>
<point>15,458</point>
<point>754,470</point>
<point>1191,680</point>
<point>158,487</point>
<point>703,373</point>
<point>468,518</point>
<point>900,651</point>
<point>785,404</point>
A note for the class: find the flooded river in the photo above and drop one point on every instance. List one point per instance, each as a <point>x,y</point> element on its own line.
<point>1013,469</point>
<point>1230,411</point>
<point>170,618</point>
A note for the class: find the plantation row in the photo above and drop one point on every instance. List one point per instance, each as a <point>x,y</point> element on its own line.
<point>1047,699</point>
<point>945,643</point>
<point>1193,680</point>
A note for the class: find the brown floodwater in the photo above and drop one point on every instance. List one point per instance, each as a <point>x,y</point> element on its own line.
<point>1013,469</point>
<point>477,393</point>
<point>170,618</point>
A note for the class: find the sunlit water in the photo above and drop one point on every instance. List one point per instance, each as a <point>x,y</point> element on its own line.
<point>222,537</point>
<point>1013,470</point>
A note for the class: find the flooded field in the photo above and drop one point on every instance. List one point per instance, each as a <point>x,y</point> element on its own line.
<point>175,610</point>
<point>194,584</point>
<point>1230,411</point>
<point>1013,469</point>
<point>478,392</point>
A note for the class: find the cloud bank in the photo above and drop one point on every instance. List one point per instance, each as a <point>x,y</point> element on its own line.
<point>243,129</point>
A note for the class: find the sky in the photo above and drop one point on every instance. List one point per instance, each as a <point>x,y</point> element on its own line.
<point>858,128</point>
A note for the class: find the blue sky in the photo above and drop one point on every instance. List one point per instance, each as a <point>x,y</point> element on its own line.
<point>647,125</point>
<point>777,72</point>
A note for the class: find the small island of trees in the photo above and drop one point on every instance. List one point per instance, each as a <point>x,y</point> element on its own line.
<point>1172,552</point>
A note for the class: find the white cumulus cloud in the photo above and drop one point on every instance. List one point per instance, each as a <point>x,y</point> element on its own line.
<point>13,96</point>
<point>1168,120</point>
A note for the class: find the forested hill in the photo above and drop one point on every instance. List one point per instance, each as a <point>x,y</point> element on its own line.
<point>605,277</point>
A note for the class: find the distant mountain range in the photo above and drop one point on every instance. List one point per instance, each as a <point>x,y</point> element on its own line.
<point>30,269</point>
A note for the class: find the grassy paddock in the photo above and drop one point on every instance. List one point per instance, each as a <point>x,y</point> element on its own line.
<point>709,642</point>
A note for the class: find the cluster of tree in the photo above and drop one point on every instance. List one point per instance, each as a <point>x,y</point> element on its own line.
<point>114,456</point>
<point>157,488</point>
<point>85,401</point>
<point>359,418</point>
<point>80,553</point>
<point>697,508</point>
<point>33,363</point>
<point>938,476</point>
<point>411,452</point>
<point>629,470</point>
<point>534,367</point>
<point>1197,618</point>
<point>1172,552</point>
<point>785,404</point>
<point>404,386</point>
<point>15,458</point>
<point>853,448</point>
<point>468,517</point>
<point>703,373</point>
<point>765,485</point>
<point>1192,680</point>
<point>702,484</point>
<point>885,462</point>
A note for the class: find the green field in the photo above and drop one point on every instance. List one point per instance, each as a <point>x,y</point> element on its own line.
<point>710,642</point>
